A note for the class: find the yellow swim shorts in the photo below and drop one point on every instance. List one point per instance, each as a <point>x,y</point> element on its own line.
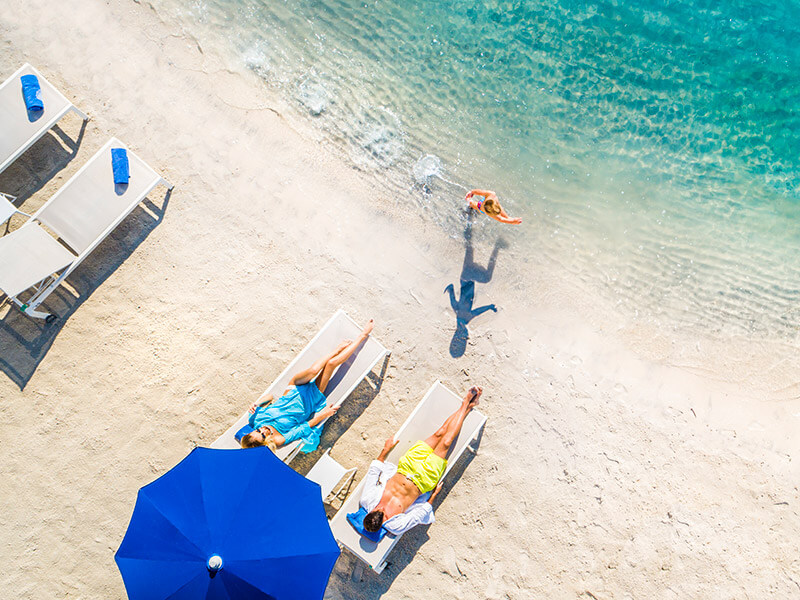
<point>422,466</point>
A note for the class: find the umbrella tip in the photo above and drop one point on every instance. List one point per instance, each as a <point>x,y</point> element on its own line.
<point>214,563</point>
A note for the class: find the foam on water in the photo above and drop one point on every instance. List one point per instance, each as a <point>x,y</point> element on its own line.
<point>426,167</point>
<point>650,146</point>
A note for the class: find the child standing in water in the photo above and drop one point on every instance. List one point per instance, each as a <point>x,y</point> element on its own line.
<point>490,206</point>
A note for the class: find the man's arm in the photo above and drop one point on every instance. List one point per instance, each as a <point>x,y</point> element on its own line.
<point>435,493</point>
<point>388,446</point>
<point>371,494</point>
<point>419,513</point>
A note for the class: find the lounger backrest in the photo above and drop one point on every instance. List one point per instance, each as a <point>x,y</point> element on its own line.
<point>89,205</point>
<point>17,131</point>
<point>343,382</point>
<point>430,413</point>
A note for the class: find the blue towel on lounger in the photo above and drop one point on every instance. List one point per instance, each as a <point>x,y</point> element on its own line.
<point>356,519</point>
<point>119,163</point>
<point>32,92</point>
<point>243,432</point>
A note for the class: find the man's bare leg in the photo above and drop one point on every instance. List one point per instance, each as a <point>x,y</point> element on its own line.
<point>444,437</point>
<point>341,356</point>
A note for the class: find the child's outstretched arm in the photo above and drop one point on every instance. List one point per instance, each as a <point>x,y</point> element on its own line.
<point>484,193</point>
<point>504,218</point>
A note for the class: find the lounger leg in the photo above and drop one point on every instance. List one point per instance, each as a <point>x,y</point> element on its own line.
<point>167,184</point>
<point>80,113</point>
<point>30,311</point>
<point>33,303</point>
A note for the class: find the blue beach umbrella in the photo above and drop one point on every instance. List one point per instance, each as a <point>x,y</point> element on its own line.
<point>228,525</point>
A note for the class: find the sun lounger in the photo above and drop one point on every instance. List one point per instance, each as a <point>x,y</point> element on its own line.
<point>327,473</point>
<point>7,210</point>
<point>82,214</point>
<point>344,380</point>
<point>438,404</point>
<point>18,131</point>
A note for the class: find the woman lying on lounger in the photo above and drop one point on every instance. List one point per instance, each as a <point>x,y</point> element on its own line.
<point>303,406</point>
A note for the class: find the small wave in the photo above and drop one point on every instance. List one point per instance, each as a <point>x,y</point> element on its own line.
<point>313,94</point>
<point>256,59</point>
<point>377,138</point>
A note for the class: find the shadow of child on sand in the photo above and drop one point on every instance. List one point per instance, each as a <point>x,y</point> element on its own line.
<point>471,273</point>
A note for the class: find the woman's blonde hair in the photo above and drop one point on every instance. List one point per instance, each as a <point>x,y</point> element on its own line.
<point>491,206</point>
<point>250,441</point>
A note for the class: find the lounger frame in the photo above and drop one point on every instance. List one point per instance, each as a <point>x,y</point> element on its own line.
<point>45,126</point>
<point>319,345</point>
<point>46,286</point>
<point>438,403</point>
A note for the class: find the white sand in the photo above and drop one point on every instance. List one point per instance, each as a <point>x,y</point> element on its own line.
<point>618,461</point>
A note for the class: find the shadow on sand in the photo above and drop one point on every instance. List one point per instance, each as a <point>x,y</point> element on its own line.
<point>24,341</point>
<point>471,273</point>
<point>40,163</point>
<point>351,409</point>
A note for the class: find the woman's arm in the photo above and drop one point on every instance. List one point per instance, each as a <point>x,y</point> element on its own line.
<point>322,415</point>
<point>256,405</point>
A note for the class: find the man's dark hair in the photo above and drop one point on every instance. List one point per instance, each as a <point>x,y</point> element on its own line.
<point>373,521</point>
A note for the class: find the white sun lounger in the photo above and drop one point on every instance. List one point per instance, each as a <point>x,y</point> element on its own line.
<point>342,383</point>
<point>82,213</point>
<point>17,132</point>
<point>438,404</point>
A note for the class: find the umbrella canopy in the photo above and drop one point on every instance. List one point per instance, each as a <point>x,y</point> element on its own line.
<point>228,525</point>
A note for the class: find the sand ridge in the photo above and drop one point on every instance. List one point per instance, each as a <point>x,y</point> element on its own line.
<point>600,473</point>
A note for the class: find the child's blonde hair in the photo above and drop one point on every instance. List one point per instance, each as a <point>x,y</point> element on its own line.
<point>491,206</point>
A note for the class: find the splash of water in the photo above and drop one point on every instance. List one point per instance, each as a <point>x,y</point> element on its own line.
<point>314,95</point>
<point>430,166</point>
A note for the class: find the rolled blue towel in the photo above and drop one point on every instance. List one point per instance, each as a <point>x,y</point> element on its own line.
<point>356,519</point>
<point>119,163</point>
<point>32,92</point>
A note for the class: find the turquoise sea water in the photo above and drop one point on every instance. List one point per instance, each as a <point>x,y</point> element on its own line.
<point>652,147</point>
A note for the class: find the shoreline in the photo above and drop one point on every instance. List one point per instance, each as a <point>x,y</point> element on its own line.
<point>266,233</point>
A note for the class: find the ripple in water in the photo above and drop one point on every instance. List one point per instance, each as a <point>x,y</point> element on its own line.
<point>376,138</point>
<point>313,94</point>
<point>652,150</point>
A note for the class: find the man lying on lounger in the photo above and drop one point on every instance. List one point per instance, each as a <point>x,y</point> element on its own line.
<point>394,496</point>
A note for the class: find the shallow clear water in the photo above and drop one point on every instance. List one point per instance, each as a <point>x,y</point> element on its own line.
<point>652,147</point>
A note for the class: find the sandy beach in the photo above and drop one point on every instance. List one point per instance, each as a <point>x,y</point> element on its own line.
<point>617,462</point>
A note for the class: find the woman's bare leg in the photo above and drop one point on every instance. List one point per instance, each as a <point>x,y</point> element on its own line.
<point>341,356</point>
<point>308,374</point>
